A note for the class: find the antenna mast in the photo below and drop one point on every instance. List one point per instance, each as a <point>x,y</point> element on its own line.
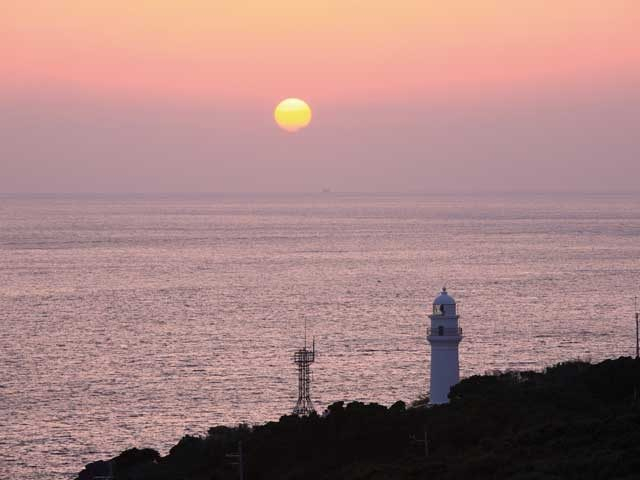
<point>303,358</point>
<point>637,328</point>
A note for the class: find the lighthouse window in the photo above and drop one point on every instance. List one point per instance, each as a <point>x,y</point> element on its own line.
<point>444,309</point>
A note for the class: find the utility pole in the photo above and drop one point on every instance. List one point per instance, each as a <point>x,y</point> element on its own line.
<point>637,329</point>
<point>424,441</point>
<point>240,460</point>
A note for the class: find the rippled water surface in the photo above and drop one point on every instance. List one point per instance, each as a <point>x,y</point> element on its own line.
<point>130,321</point>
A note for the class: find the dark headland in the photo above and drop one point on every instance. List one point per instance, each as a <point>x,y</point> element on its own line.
<point>575,420</point>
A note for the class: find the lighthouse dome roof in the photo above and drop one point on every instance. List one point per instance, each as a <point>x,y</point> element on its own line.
<point>444,298</point>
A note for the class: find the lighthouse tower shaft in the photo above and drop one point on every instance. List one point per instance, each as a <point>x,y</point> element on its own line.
<point>444,336</point>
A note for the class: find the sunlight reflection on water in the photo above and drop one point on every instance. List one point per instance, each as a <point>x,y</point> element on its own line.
<point>130,321</point>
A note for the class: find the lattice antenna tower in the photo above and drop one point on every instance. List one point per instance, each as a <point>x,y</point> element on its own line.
<point>303,358</point>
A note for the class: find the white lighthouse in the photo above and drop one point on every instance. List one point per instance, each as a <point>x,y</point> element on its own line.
<point>444,336</point>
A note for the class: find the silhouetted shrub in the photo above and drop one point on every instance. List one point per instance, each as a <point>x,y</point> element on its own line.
<point>574,420</point>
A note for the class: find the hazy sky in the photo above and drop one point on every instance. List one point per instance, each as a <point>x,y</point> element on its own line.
<point>455,95</point>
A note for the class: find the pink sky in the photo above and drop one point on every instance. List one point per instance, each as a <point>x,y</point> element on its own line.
<point>177,96</point>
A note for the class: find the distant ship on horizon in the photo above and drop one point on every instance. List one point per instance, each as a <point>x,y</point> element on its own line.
<point>326,190</point>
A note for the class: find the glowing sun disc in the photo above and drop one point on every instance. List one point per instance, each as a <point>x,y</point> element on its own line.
<point>292,114</point>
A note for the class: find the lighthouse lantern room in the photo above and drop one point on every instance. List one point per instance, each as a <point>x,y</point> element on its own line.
<point>444,336</point>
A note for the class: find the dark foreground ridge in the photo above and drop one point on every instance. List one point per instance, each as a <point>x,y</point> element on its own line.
<point>575,420</point>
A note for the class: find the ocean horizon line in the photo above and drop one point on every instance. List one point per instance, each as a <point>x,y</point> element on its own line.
<point>320,192</point>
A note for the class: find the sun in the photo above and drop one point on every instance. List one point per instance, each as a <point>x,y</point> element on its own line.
<point>292,114</point>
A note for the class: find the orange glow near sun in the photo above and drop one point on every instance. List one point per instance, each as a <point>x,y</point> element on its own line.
<point>339,51</point>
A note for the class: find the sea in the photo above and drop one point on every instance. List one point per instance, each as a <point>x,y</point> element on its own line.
<point>133,320</point>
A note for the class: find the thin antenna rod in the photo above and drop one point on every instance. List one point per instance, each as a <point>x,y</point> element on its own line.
<point>637,328</point>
